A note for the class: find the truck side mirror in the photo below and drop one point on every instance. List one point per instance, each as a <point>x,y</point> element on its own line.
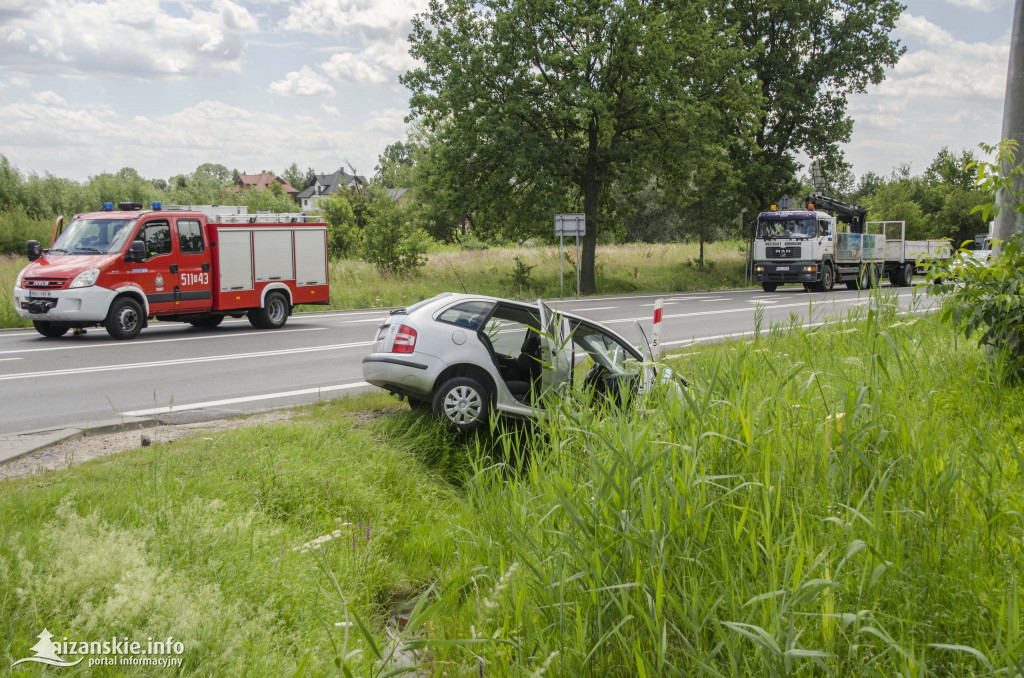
<point>34,249</point>
<point>136,251</point>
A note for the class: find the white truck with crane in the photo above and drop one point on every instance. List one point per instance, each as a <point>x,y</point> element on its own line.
<point>808,247</point>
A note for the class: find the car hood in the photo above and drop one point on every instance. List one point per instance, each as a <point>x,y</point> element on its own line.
<point>67,266</point>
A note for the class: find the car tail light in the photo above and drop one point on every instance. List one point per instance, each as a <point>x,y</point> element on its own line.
<point>405,340</point>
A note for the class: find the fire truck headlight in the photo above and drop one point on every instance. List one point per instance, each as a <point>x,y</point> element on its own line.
<point>86,278</point>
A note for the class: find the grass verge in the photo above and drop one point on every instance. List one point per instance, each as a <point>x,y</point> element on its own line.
<point>733,532</point>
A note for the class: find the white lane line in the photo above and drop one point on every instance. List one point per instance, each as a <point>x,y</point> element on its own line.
<point>245,399</point>
<point>378,319</point>
<point>596,308</point>
<point>183,361</point>
<point>732,335</point>
<point>146,342</point>
<point>692,314</point>
<point>4,360</point>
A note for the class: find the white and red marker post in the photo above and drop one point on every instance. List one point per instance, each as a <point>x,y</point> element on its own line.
<point>656,335</point>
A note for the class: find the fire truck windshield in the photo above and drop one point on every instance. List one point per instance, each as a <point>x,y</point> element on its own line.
<point>785,227</point>
<point>94,236</point>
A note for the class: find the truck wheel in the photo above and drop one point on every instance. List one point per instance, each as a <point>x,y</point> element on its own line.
<point>124,320</point>
<point>273,315</point>
<point>906,275</point>
<point>48,329</point>
<point>828,278</point>
<point>463,404</point>
<point>208,321</point>
<point>769,287</point>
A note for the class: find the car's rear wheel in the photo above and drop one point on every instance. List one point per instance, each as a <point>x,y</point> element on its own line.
<point>462,403</point>
<point>48,329</point>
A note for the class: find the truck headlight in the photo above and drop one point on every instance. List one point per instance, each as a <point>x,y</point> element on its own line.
<point>759,269</point>
<point>86,278</point>
<point>810,269</point>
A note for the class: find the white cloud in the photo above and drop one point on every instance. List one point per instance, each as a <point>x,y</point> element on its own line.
<point>352,67</point>
<point>330,110</point>
<point>983,5</point>
<point>370,17</point>
<point>79,139</point>
<point>133,39</point>
<point>380,62</point>
<point>947,68</point>
<point>49,98</point>
<point>304,82</point>
<point>388,120</point>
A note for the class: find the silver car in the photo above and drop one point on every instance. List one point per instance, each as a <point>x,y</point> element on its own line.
<point>465,355</point>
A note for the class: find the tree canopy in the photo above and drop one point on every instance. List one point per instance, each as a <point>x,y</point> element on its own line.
<point>542,107</point>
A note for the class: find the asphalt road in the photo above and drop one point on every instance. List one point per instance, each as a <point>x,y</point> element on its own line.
<point>179,373</point>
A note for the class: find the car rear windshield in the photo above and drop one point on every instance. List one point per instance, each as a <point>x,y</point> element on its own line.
<point>419,304</point>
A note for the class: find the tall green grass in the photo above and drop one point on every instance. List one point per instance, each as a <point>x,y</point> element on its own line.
<point>730,532</point>
<point>724,534</point>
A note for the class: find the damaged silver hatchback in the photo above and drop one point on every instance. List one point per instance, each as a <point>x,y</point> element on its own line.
<point>466,356</point>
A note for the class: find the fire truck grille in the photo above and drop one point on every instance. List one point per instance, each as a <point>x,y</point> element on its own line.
<point>43,283</point>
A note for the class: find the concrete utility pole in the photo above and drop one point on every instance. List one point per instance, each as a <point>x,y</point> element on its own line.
<point>1009,222</point>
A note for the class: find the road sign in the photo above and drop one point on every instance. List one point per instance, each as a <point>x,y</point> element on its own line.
<point>570,224</point>
<point>785,202</point>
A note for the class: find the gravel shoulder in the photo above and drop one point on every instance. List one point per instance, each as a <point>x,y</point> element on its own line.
<point>86,447</point>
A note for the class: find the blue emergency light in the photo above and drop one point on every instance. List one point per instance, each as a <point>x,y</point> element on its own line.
<point>108,207</point>
<point>157,206</point>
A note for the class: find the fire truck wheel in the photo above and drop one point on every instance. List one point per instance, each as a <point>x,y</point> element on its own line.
<point>124,321</point>
<point>273,315</point>
<point>49,329</point>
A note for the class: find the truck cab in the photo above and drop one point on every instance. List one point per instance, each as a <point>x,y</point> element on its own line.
<point>792,246</point>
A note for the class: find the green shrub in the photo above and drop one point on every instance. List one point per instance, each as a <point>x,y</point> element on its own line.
<point>17,228</point>
<point>987,301</point>
<point>392,243</point>
<point>343,232</point>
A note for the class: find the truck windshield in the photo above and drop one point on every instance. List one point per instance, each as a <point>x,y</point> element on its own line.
<point>94,236</point>
<point>785,227</point>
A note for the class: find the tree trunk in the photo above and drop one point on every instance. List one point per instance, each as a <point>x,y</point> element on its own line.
<point>591,188</point>
<point>701,231</point>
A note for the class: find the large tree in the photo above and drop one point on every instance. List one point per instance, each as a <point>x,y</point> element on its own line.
<point>544,105</point>
<point>809,56</point>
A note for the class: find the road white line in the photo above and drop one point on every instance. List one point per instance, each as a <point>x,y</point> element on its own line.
<point>722,311</point>
<point>378,319</point>
<point>245,399</point>
<point>118,344</point>
<point>596,308</point>
<point>732,335</point>
<point>183,361</point>
<point>4,360</point>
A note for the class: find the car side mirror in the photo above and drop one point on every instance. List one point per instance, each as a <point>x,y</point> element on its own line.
<point>136,251</point>
<point>34,250</point>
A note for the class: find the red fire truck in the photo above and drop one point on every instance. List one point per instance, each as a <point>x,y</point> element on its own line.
<point>195,264</point>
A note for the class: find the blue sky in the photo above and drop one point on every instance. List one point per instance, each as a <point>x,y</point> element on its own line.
<point>88,86</point>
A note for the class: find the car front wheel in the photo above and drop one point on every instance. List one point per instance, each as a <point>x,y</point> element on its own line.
<point>463,404</point>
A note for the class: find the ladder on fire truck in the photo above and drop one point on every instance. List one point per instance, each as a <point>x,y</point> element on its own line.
<point>239,214</point>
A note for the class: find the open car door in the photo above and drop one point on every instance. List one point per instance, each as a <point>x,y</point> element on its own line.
<point>556,350</point>
<point>649,371</point>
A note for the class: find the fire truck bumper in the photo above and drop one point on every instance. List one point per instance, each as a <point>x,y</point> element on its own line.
<point>84,305</point>
<point>792,272</point>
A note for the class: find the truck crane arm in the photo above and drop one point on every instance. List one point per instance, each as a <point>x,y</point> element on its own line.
<point>851,214</point>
